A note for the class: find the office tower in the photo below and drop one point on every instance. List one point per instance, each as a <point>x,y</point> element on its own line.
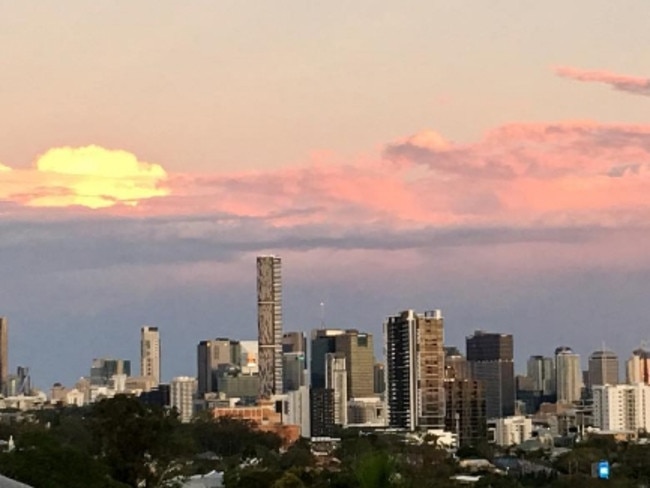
<point>150,353</point>
<point>294,342</point>
<point>603,368</point>
<point>379,383</point>
<point>210,355</point>
<point>103,369</point>
<point>182,390</point>
<point>413,349</point>
<point>568,375</point>
<point>490,356</point>
<point>622,407</point>
<point>541,372</point>
<point>336,379</point>
<point>323,341</point>
<point>293,370</point>
<point>465,410</point>
<point>638,367</point>
<point>269,324</point>
<point>4,351</point>
<point>456,365</point>
<point>358,350</point>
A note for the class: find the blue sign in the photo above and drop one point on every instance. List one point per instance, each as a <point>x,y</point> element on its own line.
<point>603,470</point>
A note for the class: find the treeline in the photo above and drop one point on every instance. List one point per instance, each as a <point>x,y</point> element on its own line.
<point>120,442</point>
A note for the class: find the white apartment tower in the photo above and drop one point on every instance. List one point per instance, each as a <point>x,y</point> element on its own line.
<point>150,353</point>
<point>269,324</point>
<point>622,407</point>
<point>182,391</point>
<point>336,379</point>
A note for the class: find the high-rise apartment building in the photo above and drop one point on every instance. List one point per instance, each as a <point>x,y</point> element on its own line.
<point>540,371</point>
<point>568,375</point>
<point>491,359</point>
<point>269,324</point>
<point>182,390</point>
<point>4,351</point>
<point>638,367</point>
<point>622,407</point>
<point>603,368</point>
<point>456,365</point>
<point>336,379</point>
<point>150,353</point>
<point>465,410</point>
<point>413,349</point>
<point>379,372</point>
<point>210,355</point>
<point>293,370</point>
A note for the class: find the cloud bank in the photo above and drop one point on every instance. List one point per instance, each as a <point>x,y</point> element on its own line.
<point>629,84</point>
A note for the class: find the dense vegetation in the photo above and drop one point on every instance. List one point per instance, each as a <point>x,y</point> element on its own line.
<point>120,442</point>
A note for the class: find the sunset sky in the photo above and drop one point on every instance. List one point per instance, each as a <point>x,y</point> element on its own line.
<point>491,159</point>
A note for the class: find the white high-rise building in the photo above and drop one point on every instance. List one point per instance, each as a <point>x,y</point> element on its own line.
<point>336,380</point>
<point>182,391</point>
<point>297,410</point>
<point>638,367</point>
<point>622,407</point>
<point>150,353</point>
<point>568,374</point>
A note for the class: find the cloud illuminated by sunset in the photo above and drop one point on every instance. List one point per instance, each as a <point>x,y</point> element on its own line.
<point>89,176</point>
<point>631,84</point>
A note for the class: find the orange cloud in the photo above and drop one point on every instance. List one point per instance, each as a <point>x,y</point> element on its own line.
<point>630,84</point>
<point>89,176</point>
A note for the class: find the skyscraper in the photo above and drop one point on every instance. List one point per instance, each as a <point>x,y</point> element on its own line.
<point>603,368</point>
<point>181,396</point>
<point>638,367</point>
<point>358,350</point>
<point>269,324</point>
<point>323,341</point>
<point>4,351</point>
<point>210,355</point>
<point>336,380</point>
<point>541,372</point>
<point>490,356</point>
<point>150,353</point>
<point>568,375</point>
<point>413,347</point>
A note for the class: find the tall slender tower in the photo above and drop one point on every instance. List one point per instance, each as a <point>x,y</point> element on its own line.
<point>150,352</point>
<point>568,375</point>
<point>415,362</point>
<point>269,324</point>
<point>4,355</point>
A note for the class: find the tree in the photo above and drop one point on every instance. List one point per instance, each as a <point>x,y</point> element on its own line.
<point>138,443</point>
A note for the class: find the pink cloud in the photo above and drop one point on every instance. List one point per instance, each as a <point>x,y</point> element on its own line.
<point>630,84</point>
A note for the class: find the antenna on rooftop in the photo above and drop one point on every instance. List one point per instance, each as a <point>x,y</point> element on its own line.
<point>322,315</point>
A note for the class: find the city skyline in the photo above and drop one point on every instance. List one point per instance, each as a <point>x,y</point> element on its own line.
<point>490,160</point>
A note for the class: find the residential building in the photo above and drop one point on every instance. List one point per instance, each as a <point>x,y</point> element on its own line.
<point>541,372</point>
<point>150,353</point>
<point>621,407</point>
<point>296,410</point>
<point>568,375</point>
<point>638,367</point>
<point>491,359</point>
<point>336,379</point>
<point>379,382</point>
<point>182,391</point>
<point>269,324</point>
<point>366,412</point>
<point>321,419</point>
<point>103,369</point>
<point>413,349</point>
<point>456,365</point>
<point>510,431</point>
<point>294,342</point>
<point>465,410</point>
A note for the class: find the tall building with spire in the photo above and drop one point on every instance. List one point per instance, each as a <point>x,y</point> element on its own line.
<point>150,353</point>
<point>269,324</point>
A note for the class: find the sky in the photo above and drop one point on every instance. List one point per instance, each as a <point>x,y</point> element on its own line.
<point>490,159</point>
